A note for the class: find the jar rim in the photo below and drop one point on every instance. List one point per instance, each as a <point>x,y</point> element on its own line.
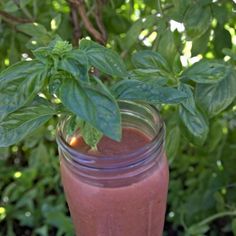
<point>159,136</point>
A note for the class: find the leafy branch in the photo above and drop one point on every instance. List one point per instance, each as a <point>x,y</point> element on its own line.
<point>13,19</point>
<point>98,36</point>
<point>63,72</point>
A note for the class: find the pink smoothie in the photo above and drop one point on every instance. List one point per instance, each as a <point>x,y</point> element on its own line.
<point>137,209</point>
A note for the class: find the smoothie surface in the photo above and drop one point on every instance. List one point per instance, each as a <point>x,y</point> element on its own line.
<point>132,139</point>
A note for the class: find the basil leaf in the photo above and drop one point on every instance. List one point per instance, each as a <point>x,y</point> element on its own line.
<point>172,143</point>
<point>57,48</point>
<point>205,72</point>
<point>196,125</point>
<point>167,47</point>
<point>19,84</point>
<point>150,60</point>
<point>90,134</point>
<point>215,135</point>
<point>22,122</point>
<point>148,75</point>
<point>147,92</point>
<point>222,39</point>
<point>214,98</point>
<point>92,105</point>
<point>32,29</point>
<point>198,229</point>
<point>197,20</point>
<point>76,63</point>
<point>199,45</point>
<point>132,34</point>
<point>188,103</point>
<point>38,33</point>
<point>103,59</point>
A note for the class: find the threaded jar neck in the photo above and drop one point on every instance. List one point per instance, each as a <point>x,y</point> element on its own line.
<point>123,168</point>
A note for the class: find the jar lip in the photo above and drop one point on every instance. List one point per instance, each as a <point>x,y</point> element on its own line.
<point>88,158</point>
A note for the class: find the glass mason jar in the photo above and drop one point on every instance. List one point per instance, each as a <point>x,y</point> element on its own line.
<point>118,195</point>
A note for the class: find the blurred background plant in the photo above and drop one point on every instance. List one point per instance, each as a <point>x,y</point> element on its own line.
<point>201,146</point>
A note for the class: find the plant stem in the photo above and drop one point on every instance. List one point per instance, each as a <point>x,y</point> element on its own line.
<point>13,19</point>
<point>87,23</point>
<point>216,216</point>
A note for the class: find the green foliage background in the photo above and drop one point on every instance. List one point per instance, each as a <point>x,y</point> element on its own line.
<point>201,140</point>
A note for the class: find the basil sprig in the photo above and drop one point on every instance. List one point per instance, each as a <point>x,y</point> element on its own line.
<point>59,80</point>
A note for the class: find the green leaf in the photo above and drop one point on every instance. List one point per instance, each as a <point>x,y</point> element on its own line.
<point>199,45</point>
<point>61,48</point>
<point>222,40</point>
<point>32,29</point>
<point>148,75</point>
<point>10,6</point>
<point>167,47</point>
<point>197,20</point>
<point>136,28</point>
<point>234,226</point>
<point>24,121</point>
<point>215,135</point>
<point>93,105</point>
<point>150,60</point>
<point>4,153</point>
<point>198,229</point>
<point>205,72</point>
<point>196,125</point>
<point>147,92</point>
<point>60,220</point>
<point>103,58</point>
<point>56,47</point>
<point>19,84</point>
<point>90,134</point>
<point>220,12</point>
<point>214,98</point>
<point>188,103</point>
<point>76,63</point>
<point>172,142</point>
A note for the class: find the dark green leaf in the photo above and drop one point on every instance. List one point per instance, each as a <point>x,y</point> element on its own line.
<point>150,60</point>
<point>24,121</point>
<point>103,59</point>
<point>112,20</point>
<point>214,98</point>
<point>76,63</point>
<point>197,20</point>
<point>196,125</point>
<point>33,29</point>
<point>90,134</point>
<point>199,45</point>
<point>215,135</point>
<point>92,105</point>
<point>60,220</point>
<point>198,229</point>
<point>188,103</point>
<point>19,84</point>
<point>172,142</point>
<point>10,6</point>
<point>4,153</point>
<point>234,226</point>
<point>136,28</point>
<point>205,71</point>
<point>179,9</point>
<point>167,47</point>
<point>220,12</point>
<point>222,40</point>
<point>147,92</point>
<point>56,48</point>
<point>148,75</point>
